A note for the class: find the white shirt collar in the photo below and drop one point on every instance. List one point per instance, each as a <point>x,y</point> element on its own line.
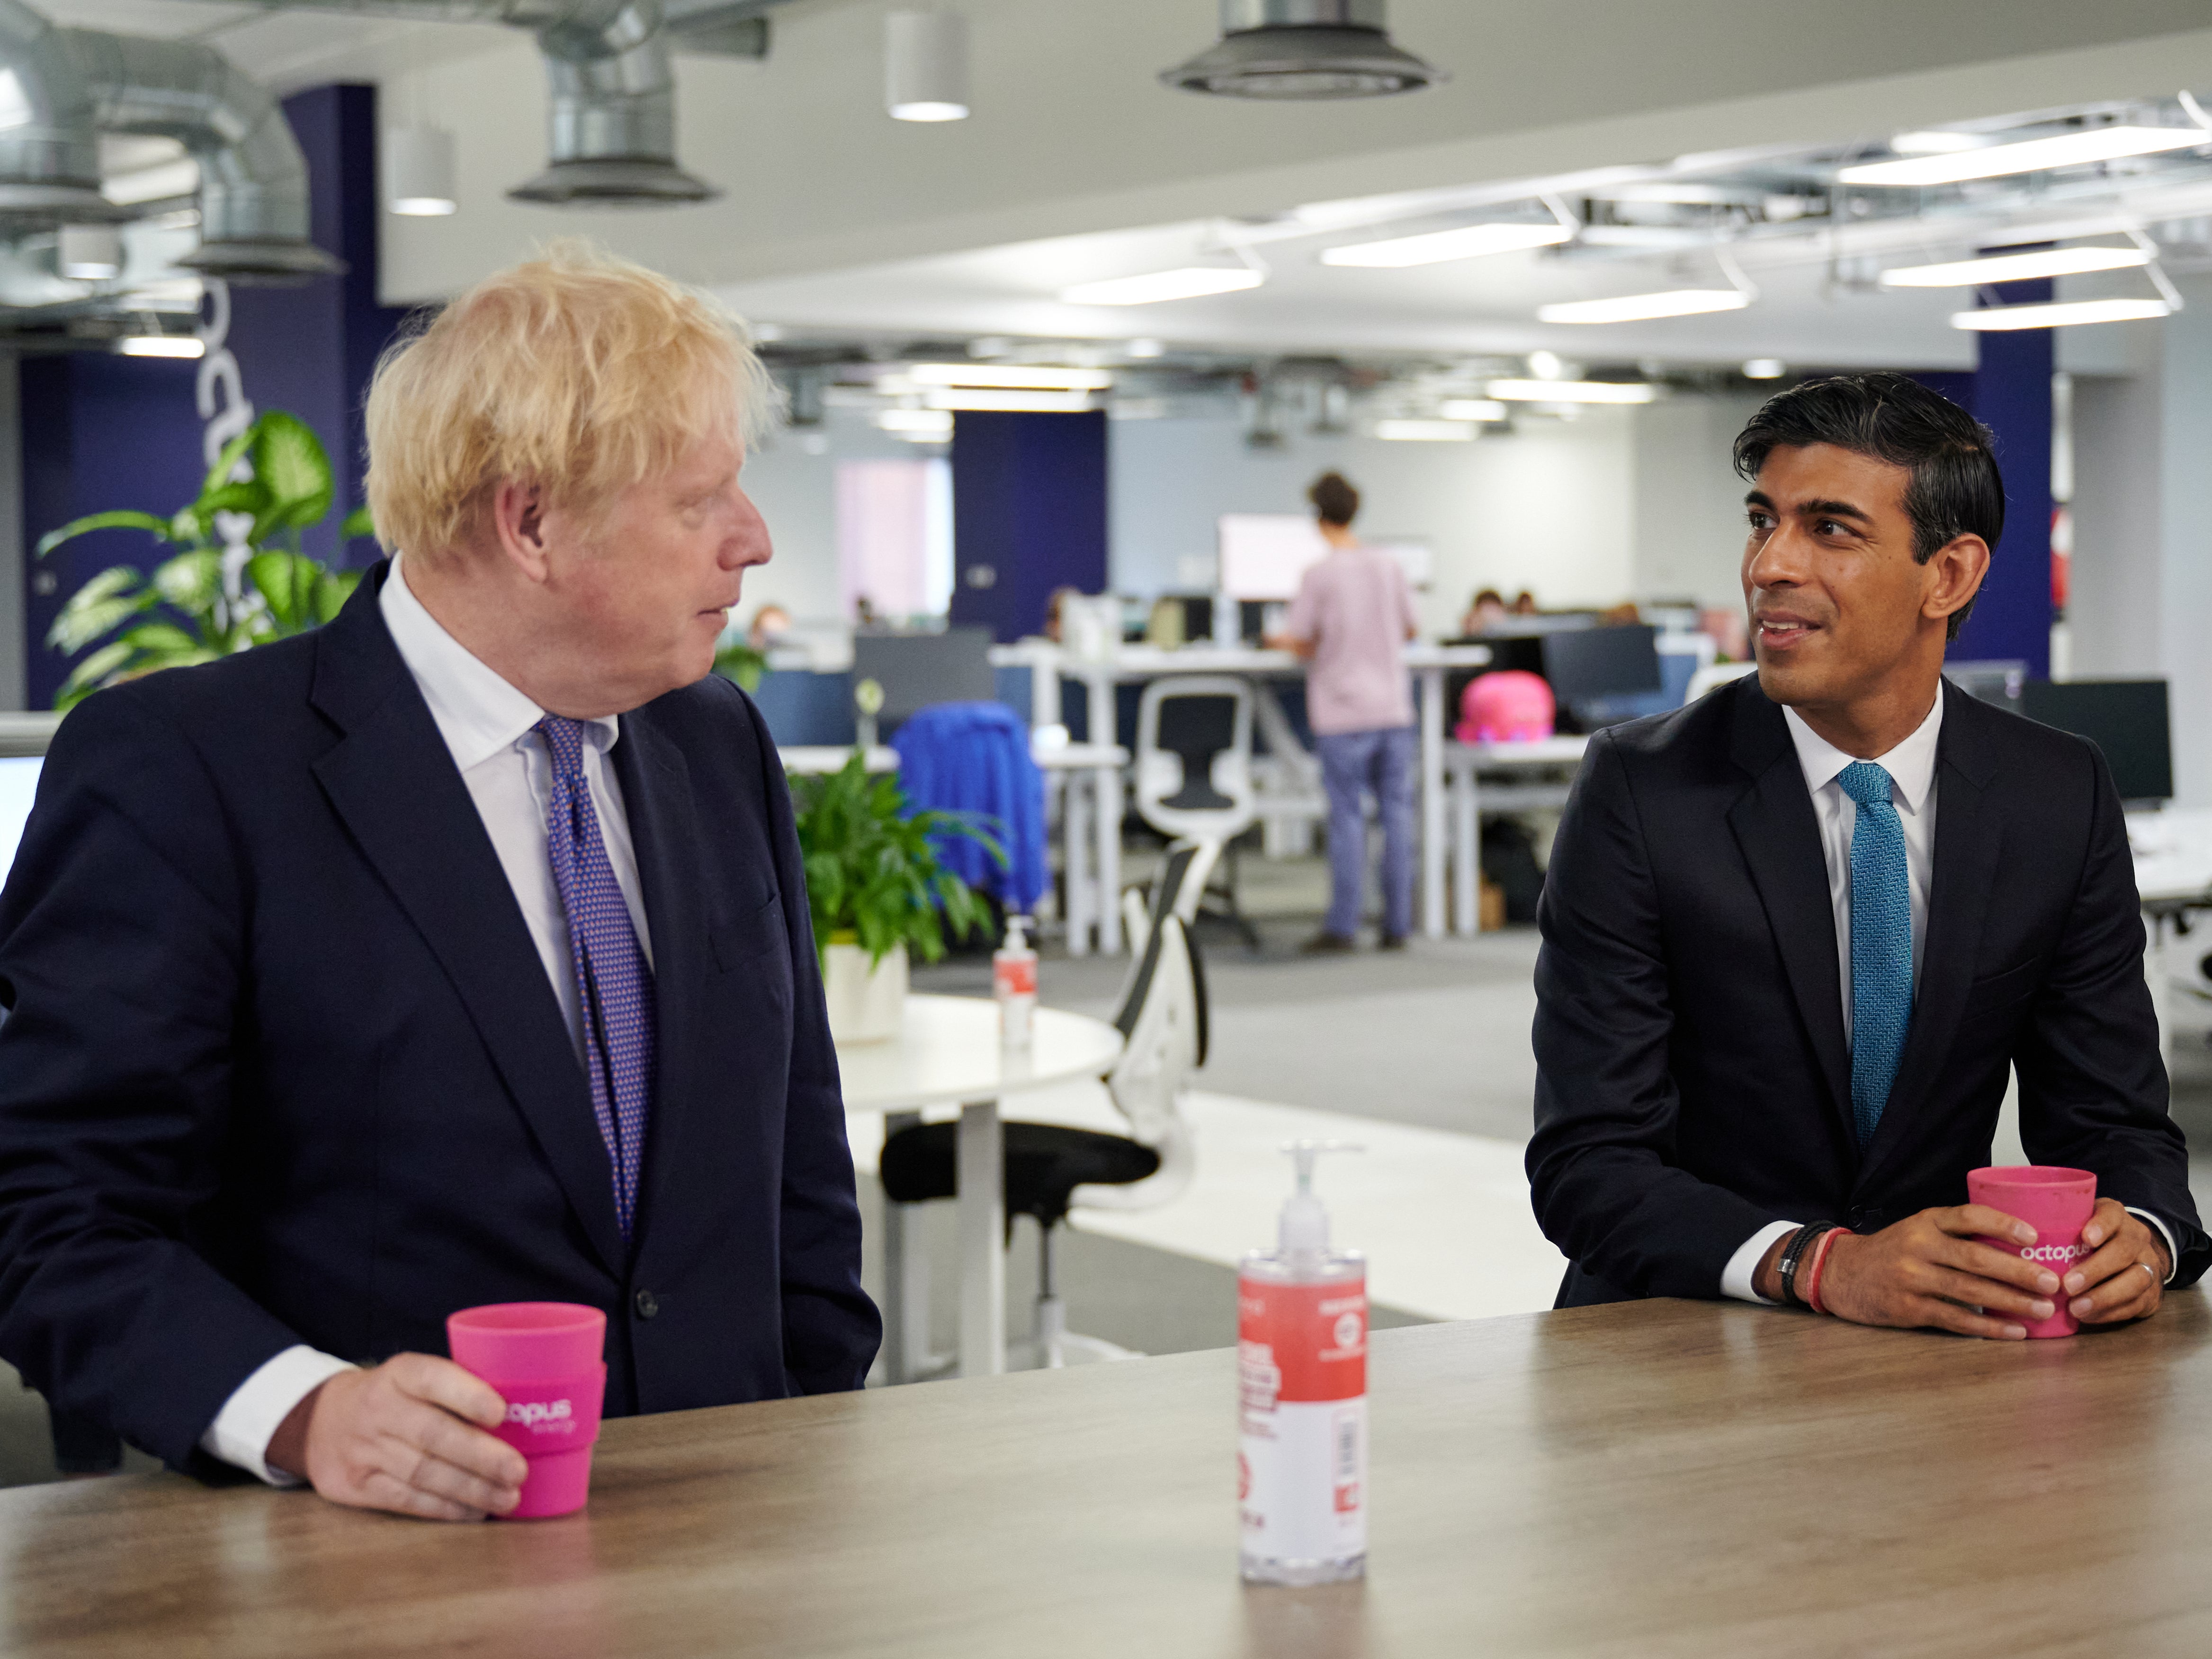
<point>1911,765</point>
<point>478,713</point>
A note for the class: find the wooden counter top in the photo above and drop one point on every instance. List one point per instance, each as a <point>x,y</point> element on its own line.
<point>1660,1478</point>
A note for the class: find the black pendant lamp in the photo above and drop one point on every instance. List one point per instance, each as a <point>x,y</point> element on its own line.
<point>1303,49</point>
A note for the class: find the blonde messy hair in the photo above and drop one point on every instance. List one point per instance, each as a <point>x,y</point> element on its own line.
<point>578,371</point>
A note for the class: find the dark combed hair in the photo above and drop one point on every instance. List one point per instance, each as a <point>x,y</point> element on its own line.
<point>1335,501</point>
<point>1954,488</point>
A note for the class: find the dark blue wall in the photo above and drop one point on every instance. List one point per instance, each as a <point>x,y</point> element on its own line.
<point>2012,397</point>
<point>1028,509</point>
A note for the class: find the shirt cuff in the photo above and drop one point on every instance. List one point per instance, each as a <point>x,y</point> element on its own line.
<point>249,1419</point>
<point>1737,1278</point>
<point>2165,1233</point>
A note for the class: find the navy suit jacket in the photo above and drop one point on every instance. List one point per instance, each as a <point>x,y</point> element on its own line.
<point>283,1064</point>
<point>1693,1079</point>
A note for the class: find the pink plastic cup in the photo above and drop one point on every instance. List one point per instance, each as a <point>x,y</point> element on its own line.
<point>2058,1203</point>
<point>544,1359</point>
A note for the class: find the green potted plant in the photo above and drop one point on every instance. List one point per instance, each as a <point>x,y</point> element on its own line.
<point>877,891</point>
<point>241,579</point>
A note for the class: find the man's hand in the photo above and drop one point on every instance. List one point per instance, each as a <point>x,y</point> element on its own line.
<point>1929,1269</point>
<point>400,1437</point>
<point>2124,1275</point>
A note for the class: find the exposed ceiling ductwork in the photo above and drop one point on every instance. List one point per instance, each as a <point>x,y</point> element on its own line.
<point>611,118</point>
<point>49,146</point>
<point>1294,49</point>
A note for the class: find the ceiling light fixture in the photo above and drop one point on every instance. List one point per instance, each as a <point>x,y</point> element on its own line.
<point>1184,282</point>
<point>419,171</point>
<point>1763,368</point>
<point>1472,409</point>
<point>1574,392</point>
<point>1435,247</point>
<point>926,66</point>
<point>1427,432</point>
<point>1008,401</point>
<point>1303,49</point>
<point>1937,141</point>
<point>920,423</point>
<point>2032,156</point>
<point>2017,267</point>
<point>1145,348</point>
<point>1016,379</point>
<point>2063,314</point>
<point>161,346</point>
<point>1642,308</point>
<point>90,253</point>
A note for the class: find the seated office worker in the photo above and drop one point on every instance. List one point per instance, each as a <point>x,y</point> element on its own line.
<point>1795,933</point>
<point>456,953</point>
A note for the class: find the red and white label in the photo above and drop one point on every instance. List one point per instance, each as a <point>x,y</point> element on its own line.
<point>1014,976</point>
<point>1302,1420</point>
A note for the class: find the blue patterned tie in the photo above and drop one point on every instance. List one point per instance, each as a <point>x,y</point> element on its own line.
<point>614,986</point>
<point>1881,944</point>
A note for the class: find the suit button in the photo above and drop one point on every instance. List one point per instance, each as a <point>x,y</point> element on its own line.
<point>648,1304</point>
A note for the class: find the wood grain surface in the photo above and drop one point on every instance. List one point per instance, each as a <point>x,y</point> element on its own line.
<point>1654,1478</point>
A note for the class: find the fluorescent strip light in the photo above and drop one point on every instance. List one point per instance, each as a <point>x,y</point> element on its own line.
<point>1763,368</point>
<point>2064,313</point>
<point>1472,409</point>
<point>1574,392</point>
<point>2034,155</point>
<point>161,346</point>
<point>2016,267</point>
<point>1435,247</point>
<point>1937,141</point>
<point>1641,308</point>
<point>936,422</point>
<point>1186,282</point>
<point>1016,403</point>
<point>1426,432</point>
<point>1025,380</point>
<point>423,207</point>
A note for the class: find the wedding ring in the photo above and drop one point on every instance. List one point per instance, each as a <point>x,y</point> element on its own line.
<point>2148,1269</point>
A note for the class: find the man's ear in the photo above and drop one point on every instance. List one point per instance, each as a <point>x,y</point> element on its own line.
<point>518,520</point>
<point>1954,574</point>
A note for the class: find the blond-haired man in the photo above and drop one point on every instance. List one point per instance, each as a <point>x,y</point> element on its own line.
<point>458,953</point>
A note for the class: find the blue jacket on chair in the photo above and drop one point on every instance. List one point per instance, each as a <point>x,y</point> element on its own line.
<point>974,758</point>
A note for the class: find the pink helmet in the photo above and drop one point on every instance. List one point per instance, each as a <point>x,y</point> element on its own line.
<point>1509,705</point>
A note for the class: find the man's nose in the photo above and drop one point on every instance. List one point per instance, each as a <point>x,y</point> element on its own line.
<point>1779,562</point>
<point>748,542</point>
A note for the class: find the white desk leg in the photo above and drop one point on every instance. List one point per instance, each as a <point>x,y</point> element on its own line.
<point>1467,852</point>
<point>905,1280</point>
<point>982,1241</point>
<point>1106,820</point>
<point>1432,802</point>
<point>1076,791</point>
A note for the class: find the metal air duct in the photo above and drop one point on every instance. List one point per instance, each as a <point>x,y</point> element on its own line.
<point>49,147</point>
<point>253,180</point>
<point>1303,49</point>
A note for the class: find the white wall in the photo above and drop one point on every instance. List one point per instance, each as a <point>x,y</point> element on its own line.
<point>792,479</point>
<point>1688,502</point>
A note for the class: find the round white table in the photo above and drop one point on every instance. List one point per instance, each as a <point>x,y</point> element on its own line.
<point>947,1054</point>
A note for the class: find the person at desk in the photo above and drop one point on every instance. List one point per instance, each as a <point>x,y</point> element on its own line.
<point>1487,611</point>
<point>1350,622</point>
<point>1796,934</point>
<point>457,953</point>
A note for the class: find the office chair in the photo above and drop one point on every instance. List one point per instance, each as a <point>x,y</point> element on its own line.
<point>1050,1167</point>
<point>1193,773</point>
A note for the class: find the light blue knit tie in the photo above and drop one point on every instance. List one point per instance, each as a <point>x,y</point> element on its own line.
<point>1881,944</point>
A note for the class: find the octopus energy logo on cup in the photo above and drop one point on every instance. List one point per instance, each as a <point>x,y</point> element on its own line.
<point>544,1359</point>
<point>2058,1203</point>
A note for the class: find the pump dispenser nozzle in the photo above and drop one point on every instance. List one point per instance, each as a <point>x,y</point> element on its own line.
<point>1304,1224</point>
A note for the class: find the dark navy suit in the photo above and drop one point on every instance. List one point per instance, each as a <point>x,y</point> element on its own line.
<point>283,1064</point>
<point>1693,1079</point>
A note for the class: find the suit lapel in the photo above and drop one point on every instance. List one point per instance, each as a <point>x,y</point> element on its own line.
<point>1968,838</point>
<point>664,827</point>
<point>392,781</point>
<point>1780,840</point>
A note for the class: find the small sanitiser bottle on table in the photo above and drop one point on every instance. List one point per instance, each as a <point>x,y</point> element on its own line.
<point>1014,982</point>
<point>1302,1413</point>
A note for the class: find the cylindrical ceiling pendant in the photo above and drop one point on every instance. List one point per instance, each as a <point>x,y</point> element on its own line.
<point>419,171</point>
<point>91,253</point>
<point>926,65</point>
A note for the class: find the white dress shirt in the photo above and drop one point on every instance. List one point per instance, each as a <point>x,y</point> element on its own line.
<point>488,727</point>
<point>1911,768</point>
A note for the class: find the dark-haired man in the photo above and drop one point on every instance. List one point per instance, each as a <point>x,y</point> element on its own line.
<point>1796,934</point>
<point>1351,620</point>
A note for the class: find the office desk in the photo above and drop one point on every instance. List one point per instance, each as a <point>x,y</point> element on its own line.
<point>1464,763</point>
<point>1091,839</point>
<point>1651,1479</point>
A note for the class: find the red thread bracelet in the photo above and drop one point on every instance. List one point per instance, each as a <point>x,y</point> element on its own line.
<point>1819,1261</point>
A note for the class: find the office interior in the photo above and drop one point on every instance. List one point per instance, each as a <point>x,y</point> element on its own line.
<point>1524,309</point>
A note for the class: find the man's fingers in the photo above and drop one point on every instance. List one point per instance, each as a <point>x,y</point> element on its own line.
<point>1977,1292</point>
<point>428,1431</point>
<point>384,1491</point>
<point>1968,1220</point>
<point>433,1474</point>
<point>2121,1255</point>
<point>441,1382</point>
<point>1950,1317</point>
<point>2134,1294</point>
<point>2000,1267</point>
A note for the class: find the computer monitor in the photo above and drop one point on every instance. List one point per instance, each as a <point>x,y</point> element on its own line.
<point>917,670</point>
<point>2126,719</point>
<point>1585,664</point>
<point>1264,555</point>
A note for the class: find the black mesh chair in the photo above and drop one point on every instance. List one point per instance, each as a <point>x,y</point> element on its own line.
<point>1050,1168</point>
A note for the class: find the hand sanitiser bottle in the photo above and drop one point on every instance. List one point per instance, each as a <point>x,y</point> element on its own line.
<point>1014,982</point>
<point>1301,1416</point>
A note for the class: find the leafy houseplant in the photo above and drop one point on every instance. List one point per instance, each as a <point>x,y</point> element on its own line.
<point>242,579</point>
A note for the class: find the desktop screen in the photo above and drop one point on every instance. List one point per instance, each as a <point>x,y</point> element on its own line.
<point>1263,554</point>
<point>2126,719</point>
<point>18,784</point>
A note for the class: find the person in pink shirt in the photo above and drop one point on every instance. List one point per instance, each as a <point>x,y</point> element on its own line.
<point>1351,620</point>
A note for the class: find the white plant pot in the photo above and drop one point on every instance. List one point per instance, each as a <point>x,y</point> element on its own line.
<point>866,1004</point>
